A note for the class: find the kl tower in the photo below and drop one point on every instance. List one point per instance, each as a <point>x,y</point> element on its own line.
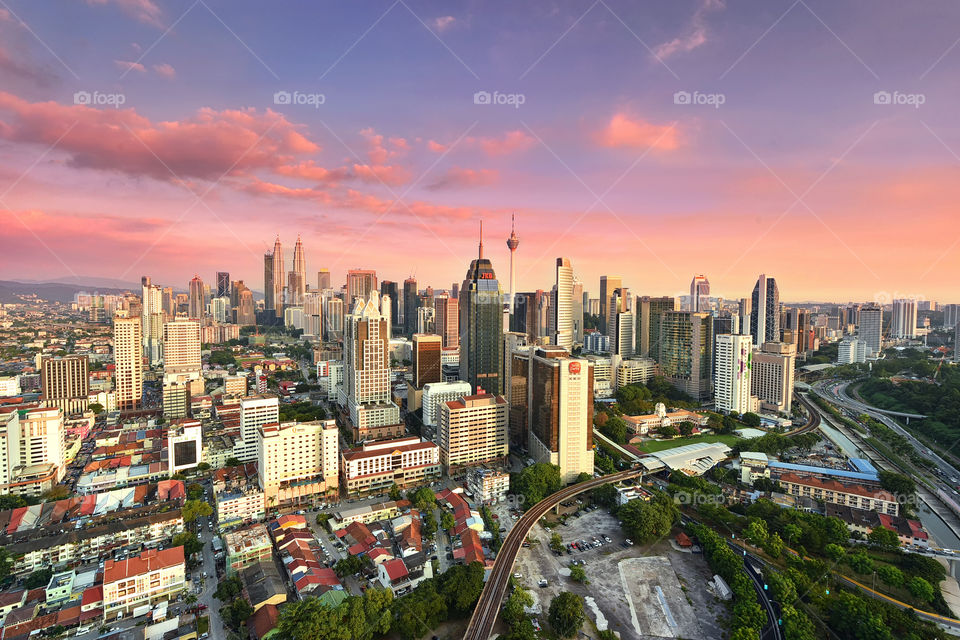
<point>512,243</point>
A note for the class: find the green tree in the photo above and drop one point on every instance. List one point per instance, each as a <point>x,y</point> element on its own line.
<point>583,476</point>
<point>189,541</point>
<point>228,589</point>
<point>556,542</point>
<point>348,566</point>
<point>203,466</point>
<point>792,533</point>
<point>536,482</point>
<point>615,428</point>
<point>774,545</point>
<point>667,431</point>
<point>685,428</point>
<point>6,564</point>
<point>756,532</point>
<point>605,495</point>
<point>860,562</point>
<point>648,521</point>
<point>834,552</point>
<point>884,537</point>
<point>782,587</point>
<point>236,613</point>
<point>231,462</point>
<point>891,575</point>
<point>578,574</point>
<point>97,408</point>
<point>39,578</point>
<point>920,589</point>
<point>566,614</point>
<point>797,625</point>
<point>750,419</point>
<point>513,609</point>
<point>193,509</point>
<point>423,499</point>
<point>897,483</point>
<point>395,492</point>
<point>194,491</point>
<point>223,358</point>
<point>447,521</point>
<point>744,633</point>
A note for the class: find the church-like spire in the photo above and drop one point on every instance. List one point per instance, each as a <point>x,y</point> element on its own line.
<point>481,239</point>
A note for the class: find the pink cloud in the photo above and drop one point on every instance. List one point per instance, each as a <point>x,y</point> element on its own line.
<point>458,177</point>
<point>4,15</point>
<point>696,34</point>
<point>388,174</point>
<point>443,23</point>
<point>512,142</point>
<point>310,170</point>
<point>20,69</point>
<point>125,65</point>
<point>144,11</point>
<point>624,131</point>
<point>165,70</point>
<point>436,147</point>
<point>205,145</point>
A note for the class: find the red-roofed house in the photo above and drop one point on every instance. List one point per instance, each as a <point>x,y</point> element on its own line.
<point>151,577</point>
<point>470,550</point>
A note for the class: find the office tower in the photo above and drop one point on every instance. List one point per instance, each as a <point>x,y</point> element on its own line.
<point>619,302</point>
<point>279,278</point>
<point>255,412</point>
<point>563,305</point>
<point>425,320</point>
<point>560,411</point>
<point>870,329</point>
<point>269,301</point>
<point>647,316</point>
<point>512,243</point>
<point>731,385</point>
<point>544,316</point>
<point>745,314</point>
<point>366,362</point>
<point>297,460</point>
<point>386,307</point>
<point>765,311</point>
<point>447,320</point>
<point>435,394</point>
<point>951,315</point>
<point>726,322</point>
<point>579,301</point>
<point>390,288</point>
<point>523,319</point>
<point>220,309</point>
<point>411,301</point>
<point>168,302</point>
<point>333,318</point>
<point>246,312</point>
<point>455,290</point>
<point>128,359</point>
<point>223,284</point>
<point>473,430</point>
<point>176,400</point>
<point>481,326</point>
<point>360,282</point>
<point>903,322</point>
<point>197,302</point>
<point>151,314</point>
<point>795,320</point>
<point>181,354</point>
<point>772,376</point>
<point>686,352</point>
<point>313,314</point>
<point>299,286</point>
<point>608,284</point>
<point>699,293</point>
<point>323,279</point>
<point>65,383</point>
<point>624,335</point>
<point>426,359</point>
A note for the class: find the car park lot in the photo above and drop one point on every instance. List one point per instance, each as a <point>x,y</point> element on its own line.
<point>639,591</point>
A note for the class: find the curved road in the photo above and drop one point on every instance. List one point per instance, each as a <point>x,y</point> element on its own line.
<point>485,613</point>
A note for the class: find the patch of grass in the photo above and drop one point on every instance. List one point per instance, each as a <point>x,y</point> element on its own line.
<point>203,625</point>
<point>652,446</point>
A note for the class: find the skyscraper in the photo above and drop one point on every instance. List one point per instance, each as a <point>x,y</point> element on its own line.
<point>579,301</point>
<point>151,314</point>
<point>223,284</point>
<point>411,302</point>
<point>197,302</point>
<point>323,279</point>
<point>607,286</point>
<point>128,359</point>
<point>473,430</point>
<point>734,362</point>
<point>181,354</point>
<point>870,329</point>
<point>481,326</point>
<point>298,286</point>
<point>699,293</point>
<point>771,379</point>
<point>648,312</point>
<point>426,359</point>
<point>686,352</point>
<point>389,288</point>
<point>903,323</point>
<point>621,324</point>
<point>447,319</point>
<point>366,362</point>
<point>512,243</point>
<point>269,301</point>
<point>246,312</point>
<point>360,282</point>
<point>279,279</point>
<point>765,311</point>
<point>563,305</point>
<point>65,383</point>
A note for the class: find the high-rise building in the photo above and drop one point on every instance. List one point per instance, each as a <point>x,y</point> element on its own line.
<point>269,301</point>
<point>579,302</point>
<point>903,322</point>
<point>647,315</point>
<point>181,354</point>
<point>128,359</point>
<point>512,243</point>
<point>255,412</point>
<point>481,327</point>
<point>323,279</point>
<point>426,359</point>
<point>151,314</point>
<point>246,308</point>
<point>619,302</point>
<point>197,300</point>
<point>299,285</point>
<point>608,284</point>
<point>699,293</point>
<point>560,411</point>
<point>870,329</point>
<point>765,311</point>
<point>411,302</point>
<point>223,284</point>
<point>473,430</point>
<point>279,278</point>
<point>563,305</point>
<point>297,461</point>
<point>437,393</point>
<point>333,318</point>
<point>772,376</point>
<point>313,314</point>
<point>366,361</point>
<point>390,288</point>
<point>40,442</point>
<point>620,324</point>
<point>734,364</point>
<point>686,352</point>
<point>794,320</point>
<point>65,383</point>
<point>447,320</point>
<point>744,312</point>
<point>360,282</point>
<point>951,315</point>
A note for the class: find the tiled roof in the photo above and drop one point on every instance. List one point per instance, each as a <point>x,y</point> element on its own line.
<point>144,563</point>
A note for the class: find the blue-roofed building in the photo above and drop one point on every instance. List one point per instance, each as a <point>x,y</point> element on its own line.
<point>863,466</point>
<point>864,477</point>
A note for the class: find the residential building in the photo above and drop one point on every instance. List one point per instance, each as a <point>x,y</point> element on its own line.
<point>870,329</point>
<point>181,354</point>
<point>426,359</point>
<point>647,315</point>
<point>488,485</point>
<point>255,412</point>
<point>297,460</point>
<point>686,352</point>
<point>376,466</point>
<point>903,323</point>
<point>65,383</point>
<point>772,376</point>
<point>562,310</point>
<point>366,361</point>
<point>832,491</point>
<point>765,311</point>
<point>473,430</point>
<point>447,320</point>
<point>435,394</point>
<point>151,315</point>
<point>732,389</point>
<point>128,359</point>
<point>360,283</point>
<point>247,547</point>
<point>152,577</point>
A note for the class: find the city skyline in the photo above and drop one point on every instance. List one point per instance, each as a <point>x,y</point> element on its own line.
<point>190,172</point>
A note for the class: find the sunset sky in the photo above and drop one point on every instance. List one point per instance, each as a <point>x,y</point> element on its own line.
<point>798,174</point>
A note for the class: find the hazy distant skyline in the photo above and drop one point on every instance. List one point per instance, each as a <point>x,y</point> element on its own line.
<point>799,173</point>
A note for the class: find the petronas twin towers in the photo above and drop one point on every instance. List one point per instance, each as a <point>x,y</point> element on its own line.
<point>280,288</point>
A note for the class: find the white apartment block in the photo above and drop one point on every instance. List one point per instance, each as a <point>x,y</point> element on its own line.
<point>367,366</point>
<point>128,357</point>
<point>632,371</point>
<point>851,350</point>
<point>297,459</point>
<point>437,393</point>
<point>731,383</point>
<point>488,485</point>
<point>181,354</point>
<point>255,411</point>
<point>33,455</point>
<point>376,466</point>
<point>151,577</point>
<point>473,430</point>
<point>903,324</point>
<point>772,376</point>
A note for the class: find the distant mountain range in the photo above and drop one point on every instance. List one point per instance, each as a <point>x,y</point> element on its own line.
<point>65,289</point>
